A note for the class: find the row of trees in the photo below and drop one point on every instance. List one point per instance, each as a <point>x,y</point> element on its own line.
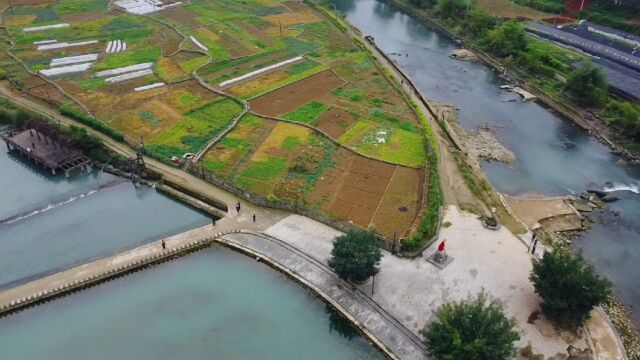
<point>478,328</point>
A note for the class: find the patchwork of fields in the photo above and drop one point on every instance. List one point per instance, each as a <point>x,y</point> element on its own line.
<point>322,114</point>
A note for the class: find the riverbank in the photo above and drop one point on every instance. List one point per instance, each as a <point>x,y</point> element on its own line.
<point>534,130</point>
<point>590,122</point>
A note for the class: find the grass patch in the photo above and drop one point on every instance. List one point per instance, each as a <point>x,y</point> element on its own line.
<point>307,113</point>
<point>189,65</point>
<point>290,143</point>
<point>198,126</point>
<point>213,165</point>
<point>299,47</point>
<point>266,171</point>
<point>129,57</point>
<point>92,84</point>
<point>354,130</point>
<point>349,94</point>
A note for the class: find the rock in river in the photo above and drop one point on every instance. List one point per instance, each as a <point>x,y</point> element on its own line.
<point>599,193</point>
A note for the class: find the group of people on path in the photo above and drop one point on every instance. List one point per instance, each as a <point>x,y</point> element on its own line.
<point>213,223</point>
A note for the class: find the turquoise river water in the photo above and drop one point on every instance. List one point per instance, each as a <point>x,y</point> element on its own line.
<point>211,304</point>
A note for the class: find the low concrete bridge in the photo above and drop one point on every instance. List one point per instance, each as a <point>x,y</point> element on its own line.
<point>380,327</point>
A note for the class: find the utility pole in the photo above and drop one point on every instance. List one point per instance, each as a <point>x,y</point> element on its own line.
<point>373,283</point>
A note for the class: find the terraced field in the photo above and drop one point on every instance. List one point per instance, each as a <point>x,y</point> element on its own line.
<point>326,127</point>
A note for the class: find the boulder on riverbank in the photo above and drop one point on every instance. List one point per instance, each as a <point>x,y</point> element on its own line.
<point>463,54</point>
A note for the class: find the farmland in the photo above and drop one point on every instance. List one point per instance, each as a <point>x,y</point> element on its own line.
<point>320,123</point>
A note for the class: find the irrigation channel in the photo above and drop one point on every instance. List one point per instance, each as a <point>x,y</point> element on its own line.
<point>538,138</point>
<point>211,302</point>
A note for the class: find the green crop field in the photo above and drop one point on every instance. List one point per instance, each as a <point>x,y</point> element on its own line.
<point>335,87</point>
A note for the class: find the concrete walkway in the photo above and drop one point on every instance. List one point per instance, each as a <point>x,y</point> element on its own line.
<point>496,262</point>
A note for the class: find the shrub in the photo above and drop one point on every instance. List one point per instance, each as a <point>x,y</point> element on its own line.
<point>587,85</point>
<point>471,329</point>
<point>429,222</point>
<point>91,122</point>
<point>569,288</point>
<point>627,116</point>
<point>355,256</point>
<point>508,39</point>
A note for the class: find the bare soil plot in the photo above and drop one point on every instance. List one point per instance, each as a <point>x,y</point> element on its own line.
<point>169,71</point>
<point>354,188</point>
<point>305,13</point>
<point>36,86</point>
<point>292,96</point>
<point>33,2</point>
<point>83,16</point>
<point>150,119</point>
<point>170,41</point>
<point>507,9</point>
<point>401,203</point>
<point>285,20</point>
<point>335,122</point>
<point>16,20</point>
<point>181,15</point>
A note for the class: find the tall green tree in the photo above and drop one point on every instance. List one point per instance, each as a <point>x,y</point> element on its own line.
<point>355,256</point>
<point>471,329</point>
<point>569,287</point>
<point>506,40</point>
<point>587,85</point>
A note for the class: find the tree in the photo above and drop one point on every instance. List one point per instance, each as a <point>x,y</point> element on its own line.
<point>569,288</point>
<point>477,23</point>
<point>508,39</point>
<point>588,85</point>
<point>450,9</point>
<point>471,329</point>
<point>355,256</point>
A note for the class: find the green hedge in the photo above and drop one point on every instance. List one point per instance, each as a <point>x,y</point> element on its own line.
<point>429,222</point>
<point>91,122</point>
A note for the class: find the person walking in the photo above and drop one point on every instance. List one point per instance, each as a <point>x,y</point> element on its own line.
<point>238,207</point>
<point>213,222</point>
<point>534,239</point>
<point>164,245</point>
<point>254,218</point>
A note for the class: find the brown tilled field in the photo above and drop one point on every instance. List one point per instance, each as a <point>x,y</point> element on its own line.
<point>182,16</point>
<point>335,122</point>
<point>401,203</point>
<point>170,41</point>
<point>360,190</point>
<point>292,96</point>
<point>507,9</point>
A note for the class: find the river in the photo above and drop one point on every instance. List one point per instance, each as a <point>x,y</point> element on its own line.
<point>534,134</point>
<point>214,303</point>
